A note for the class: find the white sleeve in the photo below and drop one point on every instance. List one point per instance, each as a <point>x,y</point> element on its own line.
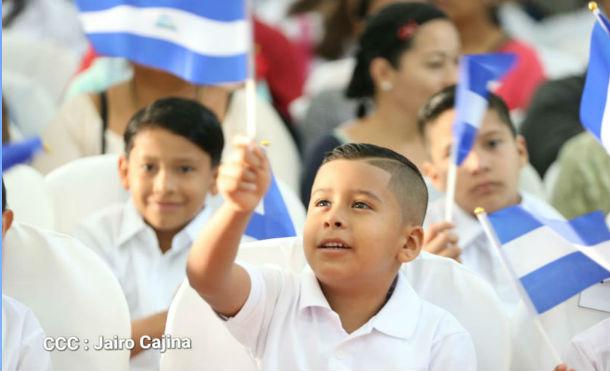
<point>251,324</point>
<point>32,355</point>
<point>454,351</point>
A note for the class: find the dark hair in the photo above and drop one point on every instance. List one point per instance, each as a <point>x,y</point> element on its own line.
<point>445,100</point>
<point>382,38</point>
<point>407,182</point>
<point>3,196</point>
<point>339,30</point>
<point>16,10</point>
<point>184,117</point>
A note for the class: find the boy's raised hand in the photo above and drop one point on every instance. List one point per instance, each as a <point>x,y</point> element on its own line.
<point>245,177</point>
<point>440,239</point>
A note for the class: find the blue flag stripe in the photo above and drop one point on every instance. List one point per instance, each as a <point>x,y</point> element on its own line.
<point>561,279</point>
<point>513,222</point>
<point>219,10</point>
<point>594,98</point>
<point>276,222</point>
<point>467,134</point>
<point>168,56</point>
<point>18,153</point>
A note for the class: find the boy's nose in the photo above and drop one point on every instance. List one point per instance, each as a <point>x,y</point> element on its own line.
<point>475,162</point>
<point>334,219</point>
<point>164,182</point>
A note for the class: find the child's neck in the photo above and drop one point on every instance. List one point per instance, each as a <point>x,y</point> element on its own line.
<point>165,238</point>
<point>356,307</point>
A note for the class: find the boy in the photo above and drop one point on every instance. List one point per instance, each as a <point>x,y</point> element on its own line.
<point>353,310</point>
<point>22,336</point>
<point>488,178</point>
<point>172,153</point>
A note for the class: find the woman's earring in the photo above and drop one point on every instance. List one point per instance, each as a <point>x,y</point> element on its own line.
<point>386,86</point>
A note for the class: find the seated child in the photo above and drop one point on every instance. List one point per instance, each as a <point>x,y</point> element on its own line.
<point>487,178</point>
<point>172,152</point>
<point>22,336</point>
<point>353,309</point>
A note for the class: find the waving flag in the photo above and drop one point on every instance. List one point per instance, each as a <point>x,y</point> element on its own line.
<point>273,221</point>
<point>553,260</point>
<point>17,153</point>
<point>201,41</point>
<point>476,72</point>
<point>595,103</point>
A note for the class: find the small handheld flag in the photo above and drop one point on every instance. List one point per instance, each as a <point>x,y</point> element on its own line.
<point>475,73</point>
<point>595,102</point>
<point>274,221</point>
<point>17,153</point>
<point>203,42</point>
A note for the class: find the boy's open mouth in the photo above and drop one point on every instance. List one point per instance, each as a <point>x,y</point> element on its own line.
<point>334,244</point>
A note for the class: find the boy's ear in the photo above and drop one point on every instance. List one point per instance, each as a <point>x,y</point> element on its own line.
<point>522,150</point>
<point>414,239</point>
<point>7,221</point>
<point>214,184</point>
<point>430,171</point>
<point>124,171</point>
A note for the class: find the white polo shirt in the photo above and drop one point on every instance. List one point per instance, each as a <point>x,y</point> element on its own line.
<point>149,278</point>
<point>22,339</point>
<point>477,253</point>
<point>590,350</point>
<point>288,324</point>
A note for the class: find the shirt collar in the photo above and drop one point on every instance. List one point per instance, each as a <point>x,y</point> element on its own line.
<point>398,317</point>
<point>132,223</point>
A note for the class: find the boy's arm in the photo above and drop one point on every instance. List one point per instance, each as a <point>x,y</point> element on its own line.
<point>211,267</point>
<point>153,326</point>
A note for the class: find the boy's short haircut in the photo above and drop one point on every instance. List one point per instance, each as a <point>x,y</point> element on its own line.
<point>444,100</point>
<point>407,182</point>
<point>184,117</point>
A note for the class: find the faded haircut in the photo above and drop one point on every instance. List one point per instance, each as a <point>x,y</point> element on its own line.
<point>406,182</point>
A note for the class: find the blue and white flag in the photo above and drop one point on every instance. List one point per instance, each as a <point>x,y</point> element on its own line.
<point>476,72</point>
<point>595,102</point>
<point>201,41</point>
<point>553,259</point>
<point>274,220</point>
<point>16,153</point>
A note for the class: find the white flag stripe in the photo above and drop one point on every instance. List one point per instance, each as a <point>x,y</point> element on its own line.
<point>605,128</point>
<point>536,249</point>
<point>598,253</point>
<point>185,29</point>
<point>477,106</point>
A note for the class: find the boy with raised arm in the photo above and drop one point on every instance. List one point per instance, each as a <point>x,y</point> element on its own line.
<point>353,309</point>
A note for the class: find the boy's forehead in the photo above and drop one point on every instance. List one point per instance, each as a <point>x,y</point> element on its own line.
<point>351,173</point>
<point>442,127</point>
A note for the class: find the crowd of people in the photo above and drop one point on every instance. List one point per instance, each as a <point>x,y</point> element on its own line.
<point>354,108</point>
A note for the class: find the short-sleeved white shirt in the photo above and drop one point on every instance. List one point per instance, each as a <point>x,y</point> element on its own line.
<point>149,278</point>
<point>477,253</point>
<point>590,350</point>
<point>288,325</point>
<point>22,339</point>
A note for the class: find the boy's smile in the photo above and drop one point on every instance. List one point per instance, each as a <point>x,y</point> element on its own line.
<point>354,229</point>
<point>168,178</point>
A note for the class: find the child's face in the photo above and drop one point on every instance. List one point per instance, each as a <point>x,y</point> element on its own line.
<point>168,178</point>
<point>352,205</point>
<point>489,176</point>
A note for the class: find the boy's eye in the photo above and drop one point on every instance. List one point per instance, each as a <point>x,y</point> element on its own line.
<point>185,169</point>
<point>360,205</point>
<point>148,167</point>
<point>322,203</point>
<point>493,143</point>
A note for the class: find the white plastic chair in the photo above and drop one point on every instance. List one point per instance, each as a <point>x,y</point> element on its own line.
<point>28,197</point>
<point>439,280</point>
<point>71,292</point>
<point>83,187</point>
